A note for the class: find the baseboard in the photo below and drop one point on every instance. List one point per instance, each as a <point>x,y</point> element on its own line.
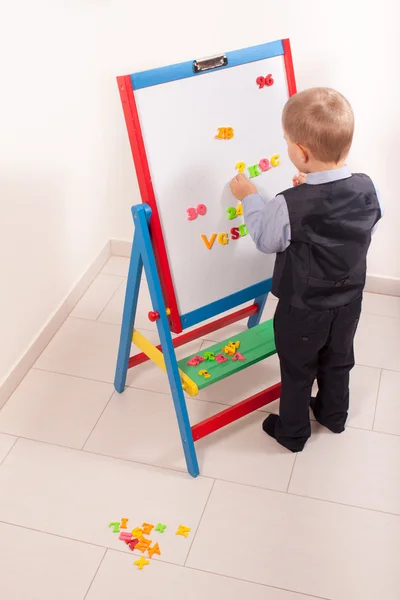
<point>34,350</point>
<point>121,248</point>
<point>378,284</point>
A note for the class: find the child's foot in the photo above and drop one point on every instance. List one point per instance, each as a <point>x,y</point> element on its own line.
<point>333,429</point>
<point>269,426</point>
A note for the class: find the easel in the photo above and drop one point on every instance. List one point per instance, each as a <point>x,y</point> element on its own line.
<point>149,252</point>
<point>179,380</point>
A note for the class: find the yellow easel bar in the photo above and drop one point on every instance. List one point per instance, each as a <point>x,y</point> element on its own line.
<point>157,357</point>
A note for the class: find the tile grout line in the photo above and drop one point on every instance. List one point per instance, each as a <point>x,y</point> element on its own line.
<point>291,474</point>
<point>12,446</point>
<point>57,535</point>
<point>377,399</point>
<point>266,585</point>
<point>117,290</point>
<point>184,472</point>
<point>95,575</point>
<point>200,520</point>
<point>95,425</point>
<point>198,398</point>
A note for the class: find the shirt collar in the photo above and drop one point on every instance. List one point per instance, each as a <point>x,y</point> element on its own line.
<point>328,176</point>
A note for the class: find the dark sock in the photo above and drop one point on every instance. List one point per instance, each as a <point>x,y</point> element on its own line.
<point>334,429</point>
<point>269,426</point>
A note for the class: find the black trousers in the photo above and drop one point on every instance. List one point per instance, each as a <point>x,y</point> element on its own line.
<point>313,345</point>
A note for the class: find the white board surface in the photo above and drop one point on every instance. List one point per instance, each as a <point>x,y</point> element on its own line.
<point>189,166</point>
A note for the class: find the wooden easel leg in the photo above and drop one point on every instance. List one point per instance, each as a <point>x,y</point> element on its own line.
<point>128,319</point>
<point>255,319</point>
<point>141,216</point>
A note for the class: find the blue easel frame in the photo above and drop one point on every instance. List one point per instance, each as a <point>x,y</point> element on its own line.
<point>142,256</point>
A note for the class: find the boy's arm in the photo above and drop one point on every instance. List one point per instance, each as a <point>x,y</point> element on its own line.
<point>268,222</point>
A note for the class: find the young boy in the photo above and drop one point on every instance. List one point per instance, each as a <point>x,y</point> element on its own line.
<point>321,231</point>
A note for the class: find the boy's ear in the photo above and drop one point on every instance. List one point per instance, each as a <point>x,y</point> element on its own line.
<point>304,153</point>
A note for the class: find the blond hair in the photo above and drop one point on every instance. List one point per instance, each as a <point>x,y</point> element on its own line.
<point>322,120</point>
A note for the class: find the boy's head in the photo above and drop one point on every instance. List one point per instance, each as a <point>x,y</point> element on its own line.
<point>318,124</point>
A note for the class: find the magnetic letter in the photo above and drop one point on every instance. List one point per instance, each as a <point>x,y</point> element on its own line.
<point>264,164</point>
<point>223,238</point>
<point>184,531</point>
<point>243,229</point>
<point>191,214</point>
<point>147,527</point>
<point>201,209</point>
<point>220,358</point>
<point>240,166</point>
<point>275,160</point>
<point>154,550</point>
<point>253,171</point>
<point>235,233</point>
<point>209,243</point>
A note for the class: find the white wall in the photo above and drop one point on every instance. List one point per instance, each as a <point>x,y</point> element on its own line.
<point>66,174</point>
<point>54,205</point>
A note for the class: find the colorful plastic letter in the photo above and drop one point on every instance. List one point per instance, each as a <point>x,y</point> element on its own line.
<point>238,356</point>
<point>191,214</point>
<point>275,160</point>
<point>224,133</point>
<point>161,528</point>
<point>132,544</point>
<point>209,243</point>
<point>231,213</point>
<point>125,536</point>
<point>264,164</point>
<point>260,81</point>
<point>240,166</point>
<point>269,80</point>
<point>123,523</point>
<point>196,360</point>
<point>220,358</point>
<point>147,528</point>
<point>201,209</point>
<point>183,531</point>
<point>154,550</point>
<point>142,562</point>
<point>205,374</point>
<point>209,356</point>
<point>137,532</point>
<point>229,350</point>
<point>115,527</point>
<point>223,239</point>
<point>235,235</point>
<point>239,210</point>
<point>253,171</point>
<point>143,544</point>
<point>243,230</point>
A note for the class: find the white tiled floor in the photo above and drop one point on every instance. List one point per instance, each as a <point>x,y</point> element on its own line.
<point>265,523</point>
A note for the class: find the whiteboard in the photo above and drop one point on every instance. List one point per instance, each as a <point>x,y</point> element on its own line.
<point>189,166</point>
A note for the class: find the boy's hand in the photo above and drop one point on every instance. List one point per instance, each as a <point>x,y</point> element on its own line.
<point>299,179</point>
<point>242,187</point>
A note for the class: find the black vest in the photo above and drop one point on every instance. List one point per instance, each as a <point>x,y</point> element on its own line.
<point>331,223</point>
